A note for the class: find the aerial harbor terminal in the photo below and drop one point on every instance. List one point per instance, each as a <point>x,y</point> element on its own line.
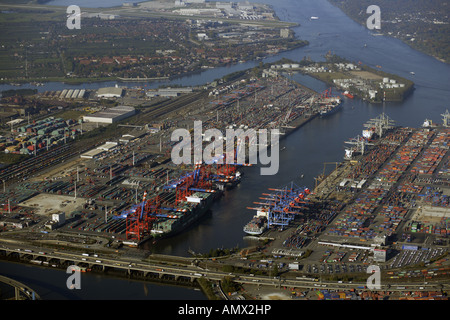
<point>390,195</point>
<point>99,185</point>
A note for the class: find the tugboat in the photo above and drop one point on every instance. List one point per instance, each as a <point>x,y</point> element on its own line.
<point>348,94</point>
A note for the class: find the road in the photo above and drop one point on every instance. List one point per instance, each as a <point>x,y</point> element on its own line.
<point>20,288</point>
<point>193,271</point>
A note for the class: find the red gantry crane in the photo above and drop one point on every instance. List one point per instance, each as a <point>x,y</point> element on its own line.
<point>140,217</point>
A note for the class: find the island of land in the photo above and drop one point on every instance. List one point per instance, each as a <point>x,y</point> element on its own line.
<point>358,80</point>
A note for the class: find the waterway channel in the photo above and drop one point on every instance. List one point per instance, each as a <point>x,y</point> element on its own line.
<point>319,141</point>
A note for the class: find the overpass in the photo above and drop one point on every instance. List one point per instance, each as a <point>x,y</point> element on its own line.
<point>187,270</point>
<point>21,291</point>
<point>85,261</point>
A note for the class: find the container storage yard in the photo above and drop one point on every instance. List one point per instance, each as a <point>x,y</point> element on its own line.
<point>393,198</point>
<point>387,174</point>
<point>397,189</point>
<point>40,135</point>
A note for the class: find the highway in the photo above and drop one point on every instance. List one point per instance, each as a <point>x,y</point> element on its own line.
<point>193,272</point>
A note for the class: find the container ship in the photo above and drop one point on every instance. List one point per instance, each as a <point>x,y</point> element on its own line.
<point>327,104</point>
<point>227,182</point>
<point>258,224</point>
<point>196,205</point>
<point>279,209</point>
<point>330,106</point>
<point>157,219</point>
<point>179,204</point>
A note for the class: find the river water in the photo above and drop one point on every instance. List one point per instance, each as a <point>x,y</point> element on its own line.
<point>319,141</point>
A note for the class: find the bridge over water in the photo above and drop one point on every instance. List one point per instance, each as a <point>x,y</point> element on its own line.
<point>185,270</point>
<point>21,291</point>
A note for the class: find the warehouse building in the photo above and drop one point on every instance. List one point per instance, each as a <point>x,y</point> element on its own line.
<point>110,115</point>
<point>92,154</point>
<point>99,151</point>
<point>110,92</point>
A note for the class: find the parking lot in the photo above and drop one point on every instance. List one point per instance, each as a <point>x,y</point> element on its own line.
<point>335,268</point>
<point>356,261</point>
<point>412,257</point>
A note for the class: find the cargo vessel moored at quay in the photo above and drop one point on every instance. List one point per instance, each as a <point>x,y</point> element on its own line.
<point>170,213</point>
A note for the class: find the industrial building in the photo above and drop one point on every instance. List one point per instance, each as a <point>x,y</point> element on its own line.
<point>110,115</point>
<point>92,154</point>
<point>131,136</point>
<point>110,92</point>
<point>97,152</point>
<point>168,92</point>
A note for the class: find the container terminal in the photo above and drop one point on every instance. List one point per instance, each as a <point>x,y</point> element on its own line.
<point>386,203</point>
<point>387,200</point>
<point>126,188</point>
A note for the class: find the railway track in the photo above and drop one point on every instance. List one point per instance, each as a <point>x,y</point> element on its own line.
<point>56,155</point>
<point>169,106</point>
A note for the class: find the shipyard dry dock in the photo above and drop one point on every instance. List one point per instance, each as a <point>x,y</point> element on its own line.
<point>386,203</point>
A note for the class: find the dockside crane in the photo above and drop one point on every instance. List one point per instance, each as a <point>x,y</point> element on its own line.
<point>197,181</point>
<point>381,124</point>
<point>360,146</point>
<point>140,217</point>
<point>446,119</point>
<point>283,204</point>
